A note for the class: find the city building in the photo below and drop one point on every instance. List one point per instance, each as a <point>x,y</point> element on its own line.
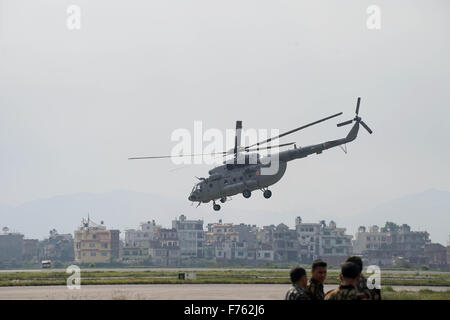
<point>164,250</point>
<point>191,237</point>
<point>220,232</point>
<point>57,247</point>
<point>285,243</point>
<point>373,245</point>
<point>391,245</point>
<point>226,241</point>
<point>246,233</point>
<point>95,244</point>
<point>335,244</point>
<point>436,254</point>
<point>448,252</point>
<point>317,240</point>
<point>135,254</point>
<point>309,240</point>
<point>137,242</point>
<point>138,238</point>
<point>265,252</point>
<point>31,250</point>
<point>231,250</point>
<point>209,250</point>
<point>224,250</point>
<point>409,244</point>
<point>11,246</point>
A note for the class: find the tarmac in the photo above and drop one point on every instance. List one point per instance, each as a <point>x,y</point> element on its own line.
<point>164,292</point>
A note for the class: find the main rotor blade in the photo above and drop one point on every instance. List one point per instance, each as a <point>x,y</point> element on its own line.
<point>366,126</point>
<point>357,105</point>
<point>293,130</point>
<point>344,123</point>
<point>270,147</point>
<point>178,156</point>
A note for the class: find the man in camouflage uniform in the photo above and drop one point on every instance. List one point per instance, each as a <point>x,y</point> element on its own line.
<point>373,294</point>
<point>318,275</point>
<point>299,280</point>
<point>347,290</point>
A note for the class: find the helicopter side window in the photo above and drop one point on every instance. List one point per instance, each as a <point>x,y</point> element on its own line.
<point>225,181</point>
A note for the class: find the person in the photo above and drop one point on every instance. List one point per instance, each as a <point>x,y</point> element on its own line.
<point>374,294</point>
<point>299,281</point>
<point>318,276</point>
<point>347,290</point>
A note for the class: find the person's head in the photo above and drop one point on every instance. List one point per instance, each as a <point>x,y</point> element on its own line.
<point>298,276</point>
<point>356,260</point>
<point>350,274</point>
<point>319,270</point>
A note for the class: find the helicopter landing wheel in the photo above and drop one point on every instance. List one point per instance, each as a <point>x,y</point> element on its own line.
<point>267,194</point>
<point>247,193</point>
<point>223,199</point>
<point>216,207</point>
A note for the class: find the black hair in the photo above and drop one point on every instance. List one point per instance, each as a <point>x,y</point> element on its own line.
<point>297,273</point>
<point>318,263</point>
<point>350,270</point>
<point>356,260</point>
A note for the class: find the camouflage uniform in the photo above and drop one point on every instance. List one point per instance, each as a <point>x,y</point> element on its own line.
<point>373,294</point>
<point>296,293</point>
<point>346,293</point>
<point>315,290</point>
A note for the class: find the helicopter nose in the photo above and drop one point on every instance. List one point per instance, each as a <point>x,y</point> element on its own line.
<point>191,198</point>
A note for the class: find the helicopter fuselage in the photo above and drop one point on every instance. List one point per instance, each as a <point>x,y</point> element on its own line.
<point>234,178</point>
<point>231,179</point>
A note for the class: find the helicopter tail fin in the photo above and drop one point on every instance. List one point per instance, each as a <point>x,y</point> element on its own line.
<point>353,133</point>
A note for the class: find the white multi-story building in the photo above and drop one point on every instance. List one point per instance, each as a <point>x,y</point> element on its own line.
<point>317,240</point>
<point>392,244</point>
<point>191,236</point>
<point>335,245</point>
<point>370,240</point>
<point>141,238</point>
<point>309,238</point>
<point>265,252</point>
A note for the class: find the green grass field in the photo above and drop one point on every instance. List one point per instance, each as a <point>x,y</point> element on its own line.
<point>424,294</point>
<point>210,276</point>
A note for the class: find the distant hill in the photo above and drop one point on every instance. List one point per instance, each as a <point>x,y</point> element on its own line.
<point>428,210</point>
<point>118,209</point>
<point>122,209</point>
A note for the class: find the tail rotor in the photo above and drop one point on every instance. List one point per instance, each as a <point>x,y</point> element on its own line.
<point>357,118</point>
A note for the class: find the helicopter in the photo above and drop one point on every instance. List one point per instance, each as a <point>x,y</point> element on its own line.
<point>245,172</point>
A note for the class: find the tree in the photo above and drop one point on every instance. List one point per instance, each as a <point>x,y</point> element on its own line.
<point>390,227</point>
<point>53,233</point>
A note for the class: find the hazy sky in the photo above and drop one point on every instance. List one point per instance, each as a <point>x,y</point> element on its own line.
<point>74,105</point>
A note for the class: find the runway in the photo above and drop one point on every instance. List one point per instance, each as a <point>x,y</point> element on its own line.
<point>164,292</point>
